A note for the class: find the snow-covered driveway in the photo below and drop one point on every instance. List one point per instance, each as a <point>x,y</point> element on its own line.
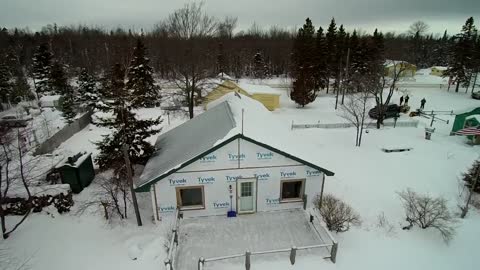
<point>216,236</point>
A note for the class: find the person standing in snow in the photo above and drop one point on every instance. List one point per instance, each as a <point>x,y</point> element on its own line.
<point>401,100</point>
<point>406,100</point>
<point>422,104</point>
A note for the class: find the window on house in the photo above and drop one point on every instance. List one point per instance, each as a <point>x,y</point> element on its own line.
<point>190,197</point>
<point>292,190</point>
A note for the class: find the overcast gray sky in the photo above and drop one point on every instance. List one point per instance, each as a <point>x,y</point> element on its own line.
<point>387,15</point>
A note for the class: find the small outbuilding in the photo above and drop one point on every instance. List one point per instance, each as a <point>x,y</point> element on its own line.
<point>77,171</point>
<point>54,101</point>
<point>438,71</point>
<point>225,160</point>
<point>393,66</point>
<point>268,96</point>
<point>463,120</point>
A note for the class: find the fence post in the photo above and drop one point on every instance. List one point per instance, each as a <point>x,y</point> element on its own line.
<point>168,265</point>
<point>293,253</point>
<point>201,261</point>
<point>333,252</point>
<point>304,201</point>
<point>175,236</point>
<point>247,260</point>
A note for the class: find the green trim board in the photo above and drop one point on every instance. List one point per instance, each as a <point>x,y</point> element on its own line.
<point>146,186</point>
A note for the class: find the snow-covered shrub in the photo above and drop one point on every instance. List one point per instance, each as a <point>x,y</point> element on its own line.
<point>428,212</point>
<point>384,223</point>
<point>337,215</point>
<point>470,176</point>
<point>20,206</point>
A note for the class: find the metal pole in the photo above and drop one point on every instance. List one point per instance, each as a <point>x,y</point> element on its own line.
<point>433,119</point>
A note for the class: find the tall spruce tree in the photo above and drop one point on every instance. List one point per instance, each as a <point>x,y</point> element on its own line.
<point>331,37</point>
<point>42,62</point>
<point>140,81</point>
<point>127,128</point>
<point>58,81</point>
<point>87,89</point>
<point>5,82</point>
<point>260,70</point>
<point>21,89</point>
<point>321,73</point>
<point>305,86</point>
<point>340,54</point>
<point>68,104</point>
<point>461,61</point>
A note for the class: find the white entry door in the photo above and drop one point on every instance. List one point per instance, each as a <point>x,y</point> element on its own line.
<point>246,195</point>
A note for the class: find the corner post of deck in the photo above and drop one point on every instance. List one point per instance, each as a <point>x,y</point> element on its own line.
<point>168,264</point>
<point>201,262</point>
<point>293,253</point>
<point>247,260</point>
<point>333,252</point>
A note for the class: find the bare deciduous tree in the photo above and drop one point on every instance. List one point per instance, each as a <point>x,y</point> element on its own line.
<point>227,26</point>
<point>428,212</point>
<point>354,110</point>
<point>419,27</point>
<point>337,215</point>
<point>377,89</point>
<point>15,170</point>
<point>191,72</point>
<point>191,22</point>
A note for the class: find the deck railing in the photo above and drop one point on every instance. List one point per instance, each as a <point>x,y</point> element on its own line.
<point>332,247</point>
<point>173,242</point>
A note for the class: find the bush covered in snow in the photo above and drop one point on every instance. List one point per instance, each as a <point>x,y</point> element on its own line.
<point>428,212</point>
<point>20,206</point>
<point>337,215</point>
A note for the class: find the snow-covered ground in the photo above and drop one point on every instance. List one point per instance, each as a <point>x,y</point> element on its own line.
<point>365,177</point>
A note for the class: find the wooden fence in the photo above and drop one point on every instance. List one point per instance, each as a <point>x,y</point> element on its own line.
<point>411,123</point>
<point>332,247</point>
<point>173,243</point>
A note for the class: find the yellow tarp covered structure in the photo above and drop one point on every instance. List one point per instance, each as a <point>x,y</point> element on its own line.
<point>270,100</point>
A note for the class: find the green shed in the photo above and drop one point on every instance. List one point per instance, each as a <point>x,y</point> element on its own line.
<point>77,171</point>
<point>461,120</point>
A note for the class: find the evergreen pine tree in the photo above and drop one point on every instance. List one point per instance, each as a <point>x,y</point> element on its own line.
<point>260,69</point>
<point>87,89</point>
<point>221,65</point>
<point>330,38</point>
<point>340,57</point>
<point>68,104</point>
<point>58,82</point>
<point>461,61</point>
<point>21,89</point>
<point>305,61</point>
<point>127,129</point>
<point>5,81</point>
<point>321,73</point>
<point>140,81</point>
<point>470,176</point>
<point>42,61</point>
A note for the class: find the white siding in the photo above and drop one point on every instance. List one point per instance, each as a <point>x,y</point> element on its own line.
<point>218,170</point>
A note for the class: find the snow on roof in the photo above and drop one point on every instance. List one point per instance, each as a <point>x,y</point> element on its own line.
<point>222,121</point>
<point>257,88</point>
<point>76,164</point>
<point>50,98</point>
<point>473,116</point>
<point>440,67</point>
<point>390,63</point>
<point>188,140</point>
